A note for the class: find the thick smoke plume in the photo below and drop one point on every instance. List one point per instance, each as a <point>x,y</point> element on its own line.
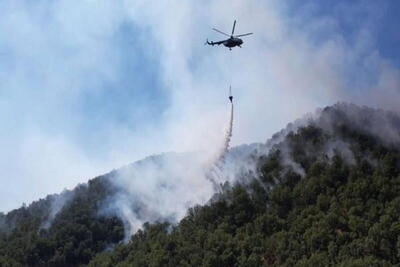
<point>162,188</point>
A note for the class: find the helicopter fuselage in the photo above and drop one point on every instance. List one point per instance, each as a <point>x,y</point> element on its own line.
<point>232,42</point>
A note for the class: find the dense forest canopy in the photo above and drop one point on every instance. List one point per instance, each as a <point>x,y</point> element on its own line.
<point>325,192</point>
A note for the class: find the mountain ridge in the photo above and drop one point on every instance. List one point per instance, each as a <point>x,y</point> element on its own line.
<point>339,138</point>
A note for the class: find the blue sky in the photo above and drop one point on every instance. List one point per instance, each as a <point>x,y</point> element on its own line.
<point>381,17</point>
<point>90,85</point>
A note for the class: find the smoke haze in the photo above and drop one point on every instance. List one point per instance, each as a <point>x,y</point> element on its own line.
<point>88,86</point>
<point>162,188</point>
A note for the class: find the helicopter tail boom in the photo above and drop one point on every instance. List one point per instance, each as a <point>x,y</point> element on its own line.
<point>213,43</point>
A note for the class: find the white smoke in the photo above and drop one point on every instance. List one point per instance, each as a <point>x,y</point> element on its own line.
<point>58,202</point>
<point>295,62</point>
<point>159,188</point>
<point>162,188</point>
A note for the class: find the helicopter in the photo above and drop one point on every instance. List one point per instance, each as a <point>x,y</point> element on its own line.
<point>233,40</point>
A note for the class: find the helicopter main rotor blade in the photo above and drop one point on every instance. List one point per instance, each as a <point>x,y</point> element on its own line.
<point>221,32</point>
<point>233,29</point>
<point>240,35</point>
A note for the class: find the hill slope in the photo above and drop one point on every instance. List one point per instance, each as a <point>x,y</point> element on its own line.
<point>328,194</point>
<point>324,191</point>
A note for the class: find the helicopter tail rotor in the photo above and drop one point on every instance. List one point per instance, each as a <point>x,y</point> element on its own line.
<point>209,43</point>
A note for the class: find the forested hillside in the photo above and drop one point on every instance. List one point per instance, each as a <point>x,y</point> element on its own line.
<point>32,237</point>
<point>326,193</point>
<point>324,196</point>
